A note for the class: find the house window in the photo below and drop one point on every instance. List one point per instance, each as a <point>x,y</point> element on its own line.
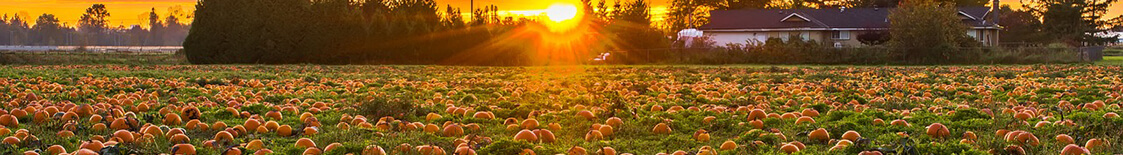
<point>973,34</point>
<point>804,35</point>
<point>840,35</point>
<point>785,36</point>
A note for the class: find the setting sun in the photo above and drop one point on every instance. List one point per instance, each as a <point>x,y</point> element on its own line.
<point>561,12</point>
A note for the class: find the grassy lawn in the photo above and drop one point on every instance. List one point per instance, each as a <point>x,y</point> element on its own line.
<point>1111,60</point>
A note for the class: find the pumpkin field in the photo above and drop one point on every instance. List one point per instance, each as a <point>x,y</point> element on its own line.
<point>609,110</point>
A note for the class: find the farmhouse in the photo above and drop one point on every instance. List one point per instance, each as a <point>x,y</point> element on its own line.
<point>839,27</point>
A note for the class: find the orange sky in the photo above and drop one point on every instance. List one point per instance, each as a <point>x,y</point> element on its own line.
<point>127,12</point>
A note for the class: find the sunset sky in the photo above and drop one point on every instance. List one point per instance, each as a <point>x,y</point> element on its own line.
<point>130,12</point>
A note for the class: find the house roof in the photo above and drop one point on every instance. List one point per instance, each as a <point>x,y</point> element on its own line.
<point>848,18</point>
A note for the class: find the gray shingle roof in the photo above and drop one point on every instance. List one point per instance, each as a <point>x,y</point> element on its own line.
<point>820,18</point>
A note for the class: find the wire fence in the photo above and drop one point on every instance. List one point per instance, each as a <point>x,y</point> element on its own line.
<point>88,57</point>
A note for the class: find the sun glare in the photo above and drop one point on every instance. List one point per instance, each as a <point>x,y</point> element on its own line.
<point>561,12</point>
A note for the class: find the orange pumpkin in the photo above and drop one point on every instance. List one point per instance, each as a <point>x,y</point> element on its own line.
<point>789,148</point>
<point>530,123</point>
<point>284,130</point>
<point>728,145</point>
<point>9,121</point>
<point>661,128</point>
<point>1073,149</point>
<point>586,114</point>
<point>183,149</point>
<point>820,135</point>
<point>1064,139</point>
<point>56,149</point>
<point>615,122</point>
<point>526,135</point>
<point>453,130</point>
<point>305,143</point>
<point>851,135</point>
<point>374,150</point>
<point>332,146</point>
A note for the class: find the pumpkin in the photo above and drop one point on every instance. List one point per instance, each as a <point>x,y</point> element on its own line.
<point>251,124</point>
<point>1064,139</point>
<point>661,128</point>
<point>453,130</point>
<point>172,119</point>
<point>970,135</point>
<point>900,122</point>
<point>11,140</point>
<point>373,150</point>
<point>1014,149</point>
<point>464,151</point>
<point>545,135</point>
<point>526,135</point>
<point>851,135</point>
<point>1111,115</point>
<point>263,152</point>
<point>274,115</point>
<point>757,114</point>
<point>124,136</point>
<point>708,119</point>
<point>56,149</point>
<point>312,151</point>
<point>272,125</point>
<point>804,119</point>
<point>9,121</point>
<point>530,123</point>
<point>431,128</point>
<point>91,152</point>
<point>92,145</point>
<point>1073,149</point>
<point>1092,144</point>
<point>728,145</point>
<point>284,130</point>
<point>311,131</point>
<point>615,122</point>
<point>586,114</point>
<point>937,130</point>
<point>484,115</point>
<point>332,146</point>
<point>607,130</point>
<point>607,151</point>
<point>758,124</point>
<point>870,153</point>
<point>703,137</point>
<point>65,134</point>
<point>819,135</point>
<point>789,148</point>
<point>179,139</point>
<point>810,112</point>
<point>223,136</point>
<point>576,150</point>
<point>593,135</point>
<point>305,143</point>
<point>183,149</point>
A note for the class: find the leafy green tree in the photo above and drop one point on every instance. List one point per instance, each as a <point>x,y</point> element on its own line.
<point>95,24</point>
<point>1074,22</point>
<point>1021,26</point>
<point>927,31</point>
<point>48,31</point>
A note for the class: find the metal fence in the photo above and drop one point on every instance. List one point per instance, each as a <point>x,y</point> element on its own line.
<point>88,57</point>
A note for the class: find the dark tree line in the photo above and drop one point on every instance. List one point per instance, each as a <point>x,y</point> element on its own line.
<point>92,29</point>
<point>392,32</point>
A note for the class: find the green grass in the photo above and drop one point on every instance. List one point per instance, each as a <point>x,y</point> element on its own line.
<point>1111,60</point>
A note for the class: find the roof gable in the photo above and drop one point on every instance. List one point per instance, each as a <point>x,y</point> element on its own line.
<point>797,18</point>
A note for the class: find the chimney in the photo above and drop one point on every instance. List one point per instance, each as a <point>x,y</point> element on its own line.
<point>995,11</point>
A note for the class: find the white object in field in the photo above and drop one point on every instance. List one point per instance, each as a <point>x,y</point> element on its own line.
<point>687,36</point>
